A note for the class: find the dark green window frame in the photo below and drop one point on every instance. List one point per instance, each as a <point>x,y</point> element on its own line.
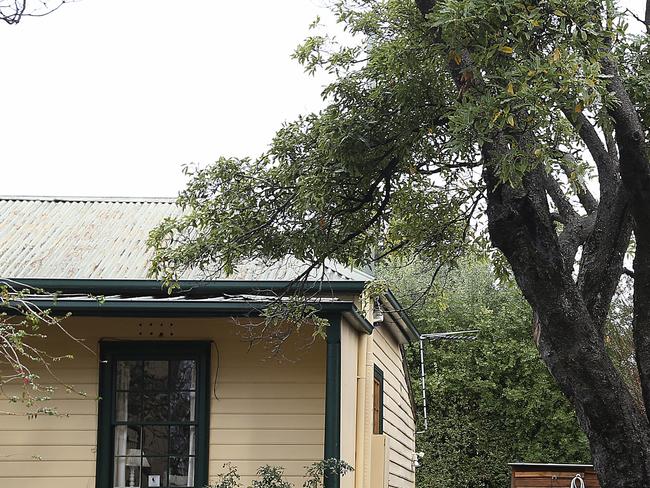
<point>379,377</point>
<point>110,353</point>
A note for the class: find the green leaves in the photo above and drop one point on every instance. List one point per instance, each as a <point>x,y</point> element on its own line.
<point>491,401</point>
<point>25,366</point>
<point>273,476</point>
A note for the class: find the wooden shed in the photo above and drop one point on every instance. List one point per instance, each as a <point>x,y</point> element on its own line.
<point>536,475</point>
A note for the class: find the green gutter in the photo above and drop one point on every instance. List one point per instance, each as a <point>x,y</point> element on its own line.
<point>89,307</point>
<point>192,288</point>
<point>357,319</point>
<point>333,399</point>
<point>170,308</point>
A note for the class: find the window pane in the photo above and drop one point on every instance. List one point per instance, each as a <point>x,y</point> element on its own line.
<point>183,406</point>
<point>155,440</point>
<point>127,437</point>
<point>156,375</point>
<point>158,470</point>
<point>129,375</point>
<point>128,407</point>
<point>181,440</point>
<point>183,375</point>
<point>156,407</point>
<point>126,472</point>
<point>181,471</point>
<point>153,416</point>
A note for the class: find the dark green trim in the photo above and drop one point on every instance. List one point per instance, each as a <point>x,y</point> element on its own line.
<point>191,288</point>
<point>412,332</point>
<point>333,398</point>
<point>112,350</point>
<point>407,378</point>
<point>169,308</point>
<point>379,375</point>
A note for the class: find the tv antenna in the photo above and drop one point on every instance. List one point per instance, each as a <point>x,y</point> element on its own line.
<point>462,335</point>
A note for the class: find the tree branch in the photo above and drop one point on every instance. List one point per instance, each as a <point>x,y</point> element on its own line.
<point>562,203</point>
<point>635,174</point>
<point>607,167</point>
<point>586,198</point>
<point>604,248</point>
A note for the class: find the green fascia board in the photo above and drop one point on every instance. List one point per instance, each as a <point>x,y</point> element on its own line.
<point>194,288</point>
<point>89,307</point>
<point>412,332</point>
<point>359,320</point>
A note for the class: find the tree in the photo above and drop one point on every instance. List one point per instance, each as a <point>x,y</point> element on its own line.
<point>22,359</point>
<point>517,126</point>
<point>491,401</point>
<point>12,11</point>
<point>27,370</point>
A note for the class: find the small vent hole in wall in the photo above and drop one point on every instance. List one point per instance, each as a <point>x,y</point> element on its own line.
<point>164,329</point>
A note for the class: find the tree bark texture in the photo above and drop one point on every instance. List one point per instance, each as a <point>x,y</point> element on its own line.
<point>635,173</point>
<point>570,342</point>
<point>571,313</point>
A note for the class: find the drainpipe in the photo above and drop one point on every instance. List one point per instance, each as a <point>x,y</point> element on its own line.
<point>333,399</point>
<point>359,458</point>
<point>367,425</point>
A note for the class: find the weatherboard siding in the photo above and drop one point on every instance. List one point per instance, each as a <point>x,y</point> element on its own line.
<point>349,378</point>
<point>261,410</point>
<point>399,424</point>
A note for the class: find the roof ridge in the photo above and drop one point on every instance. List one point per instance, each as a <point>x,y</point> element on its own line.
<point>81,199</point>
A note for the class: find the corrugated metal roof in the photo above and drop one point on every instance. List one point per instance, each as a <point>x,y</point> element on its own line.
<point>105,238</point>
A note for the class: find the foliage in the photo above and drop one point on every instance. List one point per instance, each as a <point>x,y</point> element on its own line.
<point>229,479</point>
<point>22,359</point>
<point>455,126</point>
<point>272,476</point>
<point>619,340</point>
<point>318,472</point>
<point>357,176</point>
<point>491,401</point>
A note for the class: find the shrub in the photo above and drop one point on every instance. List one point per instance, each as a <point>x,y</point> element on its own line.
<point>272,476</point>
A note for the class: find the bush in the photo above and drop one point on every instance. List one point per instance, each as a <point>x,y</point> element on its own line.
<point>272,476</point>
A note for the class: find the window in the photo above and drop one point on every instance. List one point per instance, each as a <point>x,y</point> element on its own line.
<point>153,415</point>
<point>378,402</point>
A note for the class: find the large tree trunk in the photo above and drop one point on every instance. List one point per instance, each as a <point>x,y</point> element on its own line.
<point>635,173</point>
<point>571,315</point>
<point>569,341</point>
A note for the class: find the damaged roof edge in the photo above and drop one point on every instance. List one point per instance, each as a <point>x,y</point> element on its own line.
<point>200,288</point>
<point>180,308</point>
<point>191,288</point>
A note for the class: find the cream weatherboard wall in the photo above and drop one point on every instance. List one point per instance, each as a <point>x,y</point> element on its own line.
<point>262,410</point>
<point>349,375</point>
<point>399,422</point>
<point>387,456</point>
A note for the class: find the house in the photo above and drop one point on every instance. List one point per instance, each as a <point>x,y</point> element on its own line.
<point>173,391</point>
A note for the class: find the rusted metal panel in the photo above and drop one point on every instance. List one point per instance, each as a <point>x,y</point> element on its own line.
<point>105,238</point>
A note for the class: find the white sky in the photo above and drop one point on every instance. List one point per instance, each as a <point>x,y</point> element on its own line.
<point>111,97</point>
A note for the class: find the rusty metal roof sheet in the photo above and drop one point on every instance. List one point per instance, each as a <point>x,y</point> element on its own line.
<point>105,238</point>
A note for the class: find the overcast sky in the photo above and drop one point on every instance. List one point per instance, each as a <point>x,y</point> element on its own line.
<point>111,97</point>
